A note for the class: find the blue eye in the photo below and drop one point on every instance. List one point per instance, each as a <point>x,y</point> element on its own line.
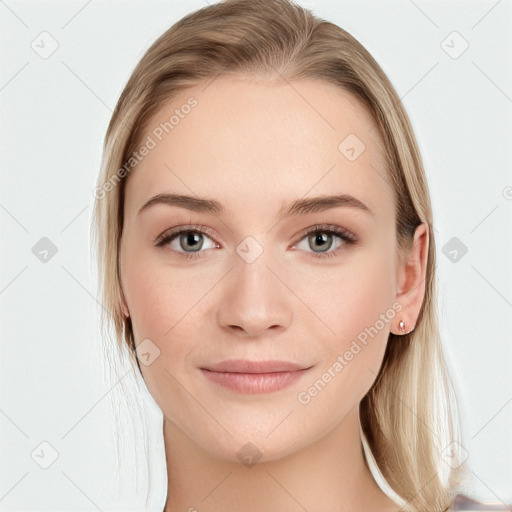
<point>192,237</point>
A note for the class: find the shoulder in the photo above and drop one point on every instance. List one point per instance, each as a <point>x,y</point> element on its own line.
<point>464,503</point>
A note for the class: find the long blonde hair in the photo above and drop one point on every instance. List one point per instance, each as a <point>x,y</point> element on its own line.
<point>409,416</point>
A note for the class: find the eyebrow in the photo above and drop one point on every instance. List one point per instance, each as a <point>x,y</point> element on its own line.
<point>296,207</point>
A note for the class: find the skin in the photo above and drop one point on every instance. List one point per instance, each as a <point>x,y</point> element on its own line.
<point>253,146</point>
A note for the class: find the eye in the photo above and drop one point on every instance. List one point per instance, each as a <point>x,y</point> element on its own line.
<point>323,237</point>
<point>184,238</point>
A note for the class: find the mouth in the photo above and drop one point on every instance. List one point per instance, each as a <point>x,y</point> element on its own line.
<point>254,377</point>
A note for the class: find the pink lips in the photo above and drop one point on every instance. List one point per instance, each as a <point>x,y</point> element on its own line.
<point>252,377</point>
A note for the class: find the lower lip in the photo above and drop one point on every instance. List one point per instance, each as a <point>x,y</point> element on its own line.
<point>254,383</point>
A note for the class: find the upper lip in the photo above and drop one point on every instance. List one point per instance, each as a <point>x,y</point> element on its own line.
<point>247,366</point>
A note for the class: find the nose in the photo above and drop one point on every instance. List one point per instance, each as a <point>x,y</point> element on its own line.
<point>254,301</point>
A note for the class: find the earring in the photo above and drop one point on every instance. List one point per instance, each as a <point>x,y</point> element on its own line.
<point>403,331</point>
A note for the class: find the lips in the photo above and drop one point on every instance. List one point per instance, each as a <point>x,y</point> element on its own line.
<point>252,377</point>
<point>246,366</point>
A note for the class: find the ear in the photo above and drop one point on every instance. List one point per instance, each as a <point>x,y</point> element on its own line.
<point>122,305</point>
<point>124,310</point>
<point>411,281</point>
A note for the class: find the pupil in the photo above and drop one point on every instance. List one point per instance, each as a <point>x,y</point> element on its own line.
<point>321,238</point>
<point>188,237</point>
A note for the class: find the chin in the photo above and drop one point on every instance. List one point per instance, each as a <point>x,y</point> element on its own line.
<point>250,450</point>
<point>246,444</point>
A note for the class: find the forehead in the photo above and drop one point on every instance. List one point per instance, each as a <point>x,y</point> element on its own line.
<point>243,141</point>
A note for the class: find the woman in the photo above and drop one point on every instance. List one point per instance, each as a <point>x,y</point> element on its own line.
<point>293,348</point>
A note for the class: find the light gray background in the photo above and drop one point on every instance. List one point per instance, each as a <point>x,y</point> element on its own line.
<point>54,113</point>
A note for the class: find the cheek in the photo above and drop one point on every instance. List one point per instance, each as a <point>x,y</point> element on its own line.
<point>357,305</point>
<point>158,296</point>
<point>351,297</point>
<point>167,307</point>
<point>147,301</point>
<point>160,303</point>
<point>355,302</point>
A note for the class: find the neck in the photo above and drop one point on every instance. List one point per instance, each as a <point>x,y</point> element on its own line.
<point>330,474</point>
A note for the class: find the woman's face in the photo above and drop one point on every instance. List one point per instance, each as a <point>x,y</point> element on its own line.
<point>255,335</point>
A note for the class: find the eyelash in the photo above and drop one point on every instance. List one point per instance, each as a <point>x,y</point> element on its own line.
<point>346,236</point>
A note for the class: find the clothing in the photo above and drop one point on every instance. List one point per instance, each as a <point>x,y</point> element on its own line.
<point>461,502</point>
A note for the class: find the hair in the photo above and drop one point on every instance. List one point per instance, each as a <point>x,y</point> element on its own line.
<point>409,416</point>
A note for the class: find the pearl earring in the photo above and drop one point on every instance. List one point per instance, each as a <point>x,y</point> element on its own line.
<point>401,325</point>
